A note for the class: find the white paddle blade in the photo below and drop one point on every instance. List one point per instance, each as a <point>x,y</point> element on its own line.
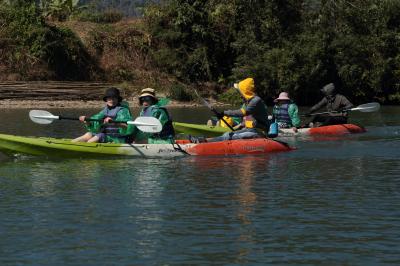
<point>368,107</point>
<point>42,117</point>
<point>147,124</point>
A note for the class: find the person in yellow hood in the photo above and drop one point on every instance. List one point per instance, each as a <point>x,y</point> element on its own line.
<point>253,112</point>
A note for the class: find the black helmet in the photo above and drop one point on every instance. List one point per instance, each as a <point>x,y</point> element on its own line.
<point>112,92</point>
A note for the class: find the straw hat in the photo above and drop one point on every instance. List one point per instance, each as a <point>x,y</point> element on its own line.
<point>283,96</point>
<point>148,92</point>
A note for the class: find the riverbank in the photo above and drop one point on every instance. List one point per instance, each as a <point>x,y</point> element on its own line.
<point>59,94</point>
<point>37,104</point>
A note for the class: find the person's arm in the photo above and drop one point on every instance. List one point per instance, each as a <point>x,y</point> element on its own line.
<point>346,103</point>
<point>94,126</point>
<point>235,113</point>
<point>247,109</point>
<point>319,105</point>
<point>294,115</point>
<point>125,115</point>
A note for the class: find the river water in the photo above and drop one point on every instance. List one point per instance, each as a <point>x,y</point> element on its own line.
<point>330,202</point>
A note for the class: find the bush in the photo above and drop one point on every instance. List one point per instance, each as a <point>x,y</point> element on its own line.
<point>39,45</point>
<point>231,96</point>
<point>122,74</point>
<point>180,93</point>
<point>109,16</point>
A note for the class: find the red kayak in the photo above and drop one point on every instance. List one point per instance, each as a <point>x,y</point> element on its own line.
<point>235,147</point>
<point>332,130</point>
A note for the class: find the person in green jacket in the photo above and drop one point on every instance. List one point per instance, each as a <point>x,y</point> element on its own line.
<point>106,131</point>
<point>152,106</point>
<point>285,112</point>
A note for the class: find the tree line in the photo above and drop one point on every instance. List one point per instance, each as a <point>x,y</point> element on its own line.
<point>286,45</point>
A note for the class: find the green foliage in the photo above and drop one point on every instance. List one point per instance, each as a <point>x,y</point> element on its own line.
<point>187,40</point>
<point>292,45</point>
<point>231,96</point>
<point>180,93</point>
<point>37,44</point>
<point>60,9</point>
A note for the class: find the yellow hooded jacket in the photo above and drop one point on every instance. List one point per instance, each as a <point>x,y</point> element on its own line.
<point>254,110</point>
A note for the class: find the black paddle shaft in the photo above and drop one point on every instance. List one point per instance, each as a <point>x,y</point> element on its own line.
<point>214,111</point>
<point>324,113</point>
<point>86,119</point>
<point>223,120</point>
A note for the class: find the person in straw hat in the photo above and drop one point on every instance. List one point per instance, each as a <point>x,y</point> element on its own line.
<point>152,106</point>
<point>286,112</point>
<point>106,131</point>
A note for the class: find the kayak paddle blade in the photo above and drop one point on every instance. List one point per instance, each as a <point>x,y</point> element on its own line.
<point>147,124</point>
<point>42,117</point>
<point>367,108</point>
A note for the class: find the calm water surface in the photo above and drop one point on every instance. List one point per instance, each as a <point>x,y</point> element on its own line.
<point>331,202</point>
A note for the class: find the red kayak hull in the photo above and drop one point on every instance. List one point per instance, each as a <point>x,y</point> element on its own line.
<point>235,147</point>
<point>335,130</point>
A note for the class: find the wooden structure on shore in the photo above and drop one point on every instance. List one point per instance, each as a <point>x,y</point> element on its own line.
<point>52,90</point>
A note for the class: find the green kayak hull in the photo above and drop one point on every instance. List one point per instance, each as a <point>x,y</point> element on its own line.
<point>213,131</point>
<point>199,130</point>
<point>11,144</point>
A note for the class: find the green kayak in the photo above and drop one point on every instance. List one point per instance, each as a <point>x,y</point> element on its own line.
<point>11,144</point>
<point>199,130</point>
<point>213,131</point>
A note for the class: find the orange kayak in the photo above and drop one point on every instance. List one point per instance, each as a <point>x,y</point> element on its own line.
<point>332,130</point>
<point>235,147</point>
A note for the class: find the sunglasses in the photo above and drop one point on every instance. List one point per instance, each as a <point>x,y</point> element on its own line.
<point>146,99</point>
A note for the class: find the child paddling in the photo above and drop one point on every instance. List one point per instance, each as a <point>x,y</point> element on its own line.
<point>106,131</point>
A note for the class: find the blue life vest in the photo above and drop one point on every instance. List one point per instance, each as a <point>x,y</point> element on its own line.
<point>167,130</point>
<point>111,129</point>
<point>281,113</point>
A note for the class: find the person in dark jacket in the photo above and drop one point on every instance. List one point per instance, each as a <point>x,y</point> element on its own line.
<point>335,103</point>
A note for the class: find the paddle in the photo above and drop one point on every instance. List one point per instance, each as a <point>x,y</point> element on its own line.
<point>213,110</point>
<point>365,108</point>
<point>143,123</point>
